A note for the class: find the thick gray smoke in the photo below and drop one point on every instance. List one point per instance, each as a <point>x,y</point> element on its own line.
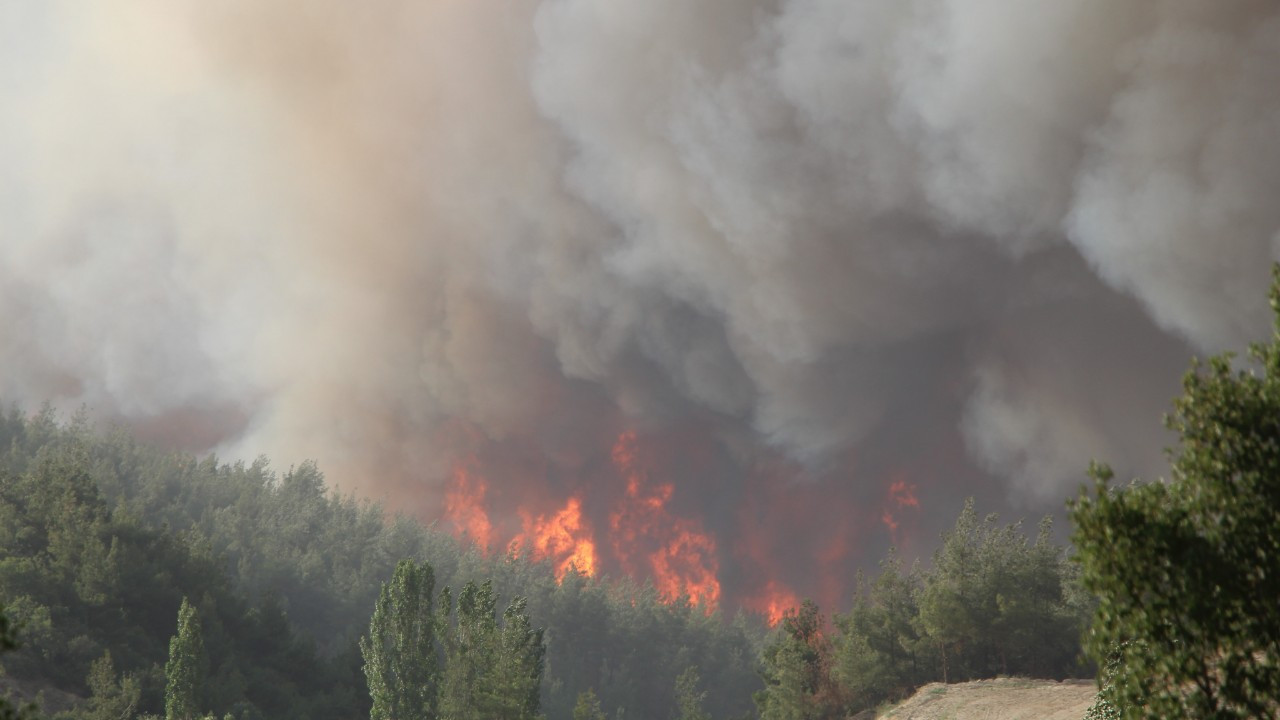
<point>969,240</point>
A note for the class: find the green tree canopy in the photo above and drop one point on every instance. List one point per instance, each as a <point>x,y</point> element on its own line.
<point>400,650</point>
<point>185,669</point>
<point>110,699</point>
<point>797,671</point>
<point>9,642</point>
<point>491,673</point>
<point>878,652</point>
<point>588,706</point>
<point>1188,570</point>
<point>689,698</point>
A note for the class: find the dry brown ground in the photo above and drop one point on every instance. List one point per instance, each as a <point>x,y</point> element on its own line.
<point>1000,699</point>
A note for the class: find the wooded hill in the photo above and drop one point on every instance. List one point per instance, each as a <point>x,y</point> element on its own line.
<point>101,538</point>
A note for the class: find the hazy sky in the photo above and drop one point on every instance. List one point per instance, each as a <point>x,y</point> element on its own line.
<point>805,249</point>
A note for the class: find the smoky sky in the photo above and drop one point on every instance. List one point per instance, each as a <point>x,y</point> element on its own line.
<point>806,248</point>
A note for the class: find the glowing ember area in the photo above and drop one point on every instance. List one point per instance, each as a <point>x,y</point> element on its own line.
<point>901,495</point>
<point>887,518</point>
<point>464,507</point>
<point>774,602</point>
<point>678,555</point>
<point>562,538</point>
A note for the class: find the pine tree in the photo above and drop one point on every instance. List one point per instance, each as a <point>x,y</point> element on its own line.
<point>400,651</point>
<point>951,611</point>
<point>109,699</point>
<point>876,654</point>
<point>182,672</point>
<point>689,698</point>
<point>588,706</point>
<point>797,677</point>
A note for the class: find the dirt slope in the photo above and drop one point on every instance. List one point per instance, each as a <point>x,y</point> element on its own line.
<point>1001,699</point>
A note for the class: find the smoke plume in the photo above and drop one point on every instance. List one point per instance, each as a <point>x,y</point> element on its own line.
<point>733,289</point>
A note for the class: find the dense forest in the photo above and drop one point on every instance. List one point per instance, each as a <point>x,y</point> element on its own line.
<point>102,539</point>
<point>137,582</point>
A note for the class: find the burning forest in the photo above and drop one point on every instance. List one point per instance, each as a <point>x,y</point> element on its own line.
<point>727,296</point>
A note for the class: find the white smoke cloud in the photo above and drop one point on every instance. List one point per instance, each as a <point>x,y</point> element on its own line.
<point>335,231</point>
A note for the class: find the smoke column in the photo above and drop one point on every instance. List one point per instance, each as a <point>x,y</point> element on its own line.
<point>730,295</point>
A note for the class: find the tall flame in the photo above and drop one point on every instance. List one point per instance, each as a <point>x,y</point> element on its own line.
<point>563,537</point>
<point>773,602</point>
<point>464,507</point>
<point>901,495</point>
<point>646,538</point>
<point>680,557</point>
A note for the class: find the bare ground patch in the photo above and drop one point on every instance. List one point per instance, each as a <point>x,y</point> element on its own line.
<point>999,699</point>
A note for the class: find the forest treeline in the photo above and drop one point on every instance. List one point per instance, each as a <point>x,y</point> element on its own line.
<point>101,539</point>
<point>993,602</point>
<point>144,582</point>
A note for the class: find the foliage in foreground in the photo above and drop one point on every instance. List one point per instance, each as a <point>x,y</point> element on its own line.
<point>994,603</point>
<point>489,672</point>
<point>9,643</point>
<point>1188,570</point>
<point>96,591</point>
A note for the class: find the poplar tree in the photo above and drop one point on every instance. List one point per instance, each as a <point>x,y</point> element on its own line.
<point>399,652</point>
<point>520,663</point>
<point>182,672</point>
<point>491,673</point>
<point>468,691</point>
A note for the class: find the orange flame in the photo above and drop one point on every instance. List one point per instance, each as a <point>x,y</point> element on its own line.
<point>902,495</point>
<point>464,507</point>
<point>886,517</point>
<point>563,538</point>
<point>681,558</point>
<point>774,602</point>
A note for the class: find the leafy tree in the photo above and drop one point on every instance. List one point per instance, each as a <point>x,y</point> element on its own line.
<point>1102,709</point>
<point>185,668</point>
<point>467,690</point>
<point>519,665</point>
<point>399,652</point>
<point>1188,570</point>
<point>491,673</point>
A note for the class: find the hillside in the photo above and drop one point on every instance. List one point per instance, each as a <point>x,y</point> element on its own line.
<point>999,699</point>
<point>102,539</point>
